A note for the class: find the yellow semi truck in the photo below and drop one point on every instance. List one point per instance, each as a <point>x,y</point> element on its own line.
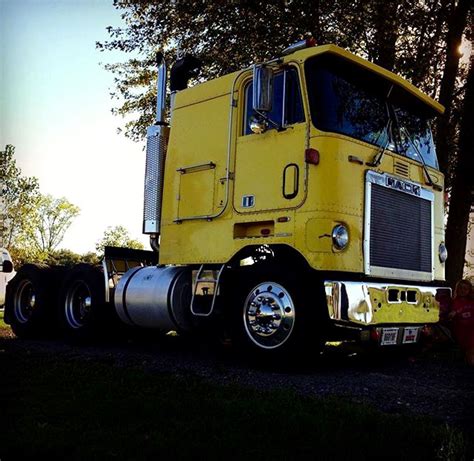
<point>290,203</point>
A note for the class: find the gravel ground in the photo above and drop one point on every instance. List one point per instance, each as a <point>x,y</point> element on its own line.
<point>435,383</point>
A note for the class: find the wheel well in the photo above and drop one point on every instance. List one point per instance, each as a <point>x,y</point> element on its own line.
<point>270,254</point>
<point>267,258</point>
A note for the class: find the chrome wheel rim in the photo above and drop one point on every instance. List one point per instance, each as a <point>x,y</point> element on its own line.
<point>269,315</point>
<point>78,304</point>
<point>24,301</point>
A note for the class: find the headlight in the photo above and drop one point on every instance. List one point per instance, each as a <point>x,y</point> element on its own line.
<point>442,252</point>
<point>340,237</point>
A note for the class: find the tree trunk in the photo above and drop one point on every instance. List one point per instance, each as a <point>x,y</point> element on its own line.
<point>456,26</point>
<point>462,187</point>
<point>386,32</point>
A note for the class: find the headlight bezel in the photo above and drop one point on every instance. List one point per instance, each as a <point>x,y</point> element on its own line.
<point>340,237</point>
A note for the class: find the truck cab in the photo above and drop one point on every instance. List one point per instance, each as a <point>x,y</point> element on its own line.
<point>325,160</point>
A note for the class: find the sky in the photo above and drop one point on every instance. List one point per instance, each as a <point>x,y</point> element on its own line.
<point>55,108</point>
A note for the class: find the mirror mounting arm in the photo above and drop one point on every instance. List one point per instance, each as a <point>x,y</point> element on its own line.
<point>269,120</point>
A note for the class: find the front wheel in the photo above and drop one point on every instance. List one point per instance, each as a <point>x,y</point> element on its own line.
<point>269,315</point>
<point>275,316</point>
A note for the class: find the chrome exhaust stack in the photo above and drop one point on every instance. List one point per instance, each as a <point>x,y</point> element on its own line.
<point>157,141</point>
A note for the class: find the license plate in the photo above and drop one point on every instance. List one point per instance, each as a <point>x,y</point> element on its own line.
<point>389,336</point>
<point>410,335</point>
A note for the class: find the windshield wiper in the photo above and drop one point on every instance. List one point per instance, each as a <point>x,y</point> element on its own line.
<point>387,129</point>
<point>428,177</point>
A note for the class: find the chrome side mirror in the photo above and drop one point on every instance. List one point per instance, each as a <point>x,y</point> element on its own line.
<point>262,88</point>
<point>258,124</point>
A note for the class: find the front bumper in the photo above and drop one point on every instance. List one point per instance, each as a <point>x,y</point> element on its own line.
<point>371,304</point>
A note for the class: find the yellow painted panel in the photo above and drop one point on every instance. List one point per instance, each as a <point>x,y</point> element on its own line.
<point>318,235</point>
<point>196,140</point>
<point>260,162</point>
<point>196,194</point>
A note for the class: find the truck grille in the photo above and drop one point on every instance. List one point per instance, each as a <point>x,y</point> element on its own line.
<point>400,231</point>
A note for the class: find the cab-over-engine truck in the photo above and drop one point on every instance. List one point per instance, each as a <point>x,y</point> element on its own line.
<point>290,203</point>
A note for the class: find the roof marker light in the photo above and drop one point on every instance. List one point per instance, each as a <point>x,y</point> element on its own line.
<point>301,45</point>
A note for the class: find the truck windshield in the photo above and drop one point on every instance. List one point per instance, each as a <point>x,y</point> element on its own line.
<point>348,99</point>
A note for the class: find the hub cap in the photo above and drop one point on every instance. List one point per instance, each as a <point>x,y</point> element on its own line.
<point>24,301</point>
<point>78,304</point>
<point>269,315</point>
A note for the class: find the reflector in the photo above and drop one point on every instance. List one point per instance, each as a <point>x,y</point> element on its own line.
<point>311,156</point>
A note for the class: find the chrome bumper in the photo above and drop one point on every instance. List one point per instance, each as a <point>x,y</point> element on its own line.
<point>367,303</point>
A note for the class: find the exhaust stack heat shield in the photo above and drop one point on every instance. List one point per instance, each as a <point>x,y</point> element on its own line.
<point>157,140</point>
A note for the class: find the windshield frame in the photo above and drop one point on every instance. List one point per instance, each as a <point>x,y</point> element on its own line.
<point>380,91</point>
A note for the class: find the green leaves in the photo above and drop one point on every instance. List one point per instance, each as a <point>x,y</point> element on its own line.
<point>117,237</point>
<point>408,37</point>
<point>50,221</point>
<point>20,196</point>
<point>32,225</point>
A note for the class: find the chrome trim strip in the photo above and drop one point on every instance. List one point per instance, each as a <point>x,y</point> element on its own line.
<point>368,200</point>
<point>432,241</point>
<point>194,168</point>
<point>400,274</point>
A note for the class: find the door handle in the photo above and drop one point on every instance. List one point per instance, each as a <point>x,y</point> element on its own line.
<point>291,177</point>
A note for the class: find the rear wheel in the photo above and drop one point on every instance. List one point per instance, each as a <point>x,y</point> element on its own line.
<point>82,308</point>
<point>30,304</point>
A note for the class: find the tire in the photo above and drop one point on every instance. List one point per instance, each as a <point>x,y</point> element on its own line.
<point>273,316</point>
<point>30,302</point>
<point>82,311</point>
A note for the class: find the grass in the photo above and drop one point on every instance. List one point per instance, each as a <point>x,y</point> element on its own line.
<point>77,410</point>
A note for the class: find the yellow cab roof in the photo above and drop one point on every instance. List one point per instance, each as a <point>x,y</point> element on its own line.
<point>222,85</point>
<point>306,53</point>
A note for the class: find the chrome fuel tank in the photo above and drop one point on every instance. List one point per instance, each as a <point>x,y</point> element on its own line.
<point>155,297</point>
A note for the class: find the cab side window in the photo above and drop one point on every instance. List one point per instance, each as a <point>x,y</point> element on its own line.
<point>287,107</point>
